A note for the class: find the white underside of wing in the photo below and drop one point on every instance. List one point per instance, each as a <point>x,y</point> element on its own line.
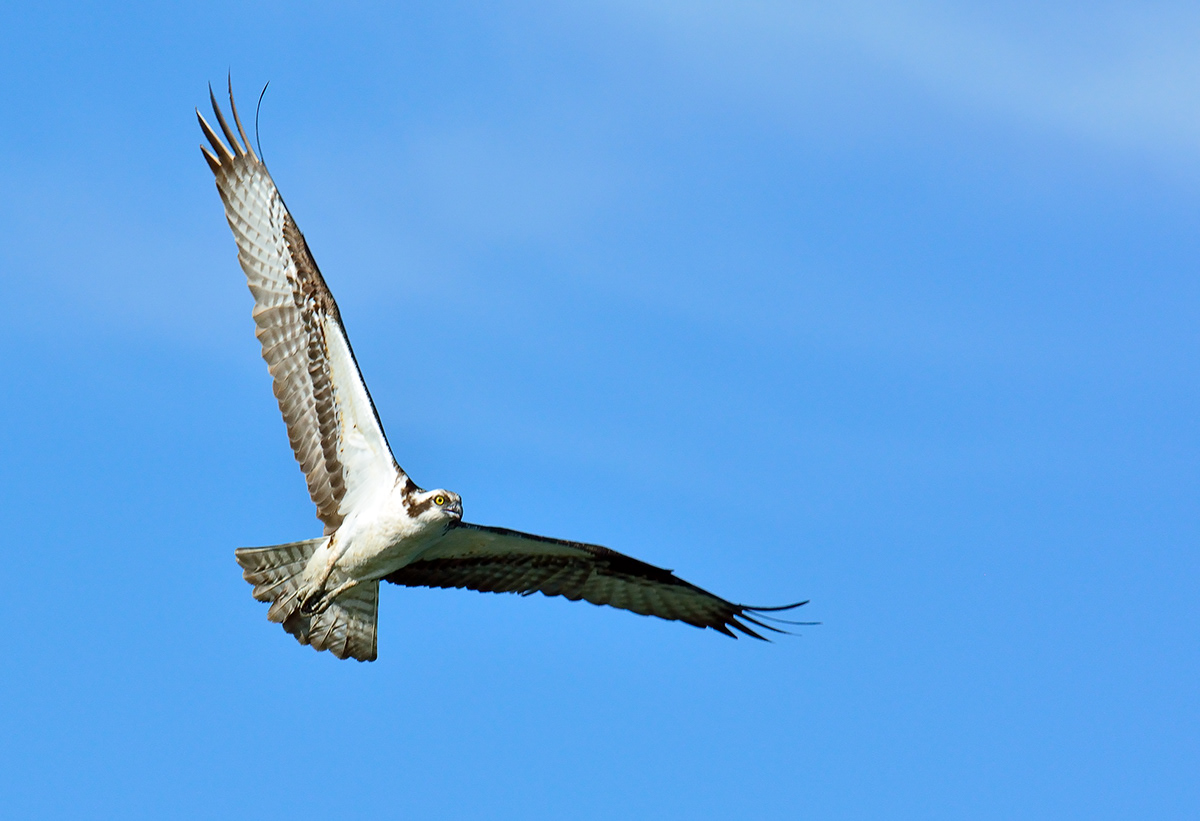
<point>366,459</point>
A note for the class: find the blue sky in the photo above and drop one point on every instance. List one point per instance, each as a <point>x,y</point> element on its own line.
<point>893,307</point>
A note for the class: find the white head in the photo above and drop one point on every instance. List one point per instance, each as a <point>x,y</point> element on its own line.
<point>435,506</point>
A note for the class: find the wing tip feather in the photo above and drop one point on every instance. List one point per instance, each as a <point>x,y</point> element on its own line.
<point>229,135</point>
<point>746,613</point>
<point>238,120</point>
<point>218,145</point>
<point>231,148</point>
<point>775,609</point>
<point>211,159</point>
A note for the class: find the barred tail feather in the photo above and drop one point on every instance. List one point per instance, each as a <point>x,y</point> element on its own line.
<point>277,572</point>
<point>345,628</point>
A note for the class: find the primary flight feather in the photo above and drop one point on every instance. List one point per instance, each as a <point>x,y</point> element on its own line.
<point>379,525</point>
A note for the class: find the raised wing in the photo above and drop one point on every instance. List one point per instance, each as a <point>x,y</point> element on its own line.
<point>331,420</point>
<point>496,560</point>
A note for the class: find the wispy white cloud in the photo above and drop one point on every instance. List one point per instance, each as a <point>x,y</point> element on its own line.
<point>1126,77</point>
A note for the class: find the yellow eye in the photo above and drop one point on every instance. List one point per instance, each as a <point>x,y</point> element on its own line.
<point>439,500</point>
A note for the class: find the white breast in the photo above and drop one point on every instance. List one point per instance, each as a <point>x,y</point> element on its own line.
<point>381,537</point>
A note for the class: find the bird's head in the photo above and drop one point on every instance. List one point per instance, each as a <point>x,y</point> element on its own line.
<point>438,504</point>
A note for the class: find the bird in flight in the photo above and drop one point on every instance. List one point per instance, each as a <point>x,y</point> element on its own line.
<point>379,525</point>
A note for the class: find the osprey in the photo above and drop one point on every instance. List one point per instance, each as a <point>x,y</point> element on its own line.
<point>379,525</point>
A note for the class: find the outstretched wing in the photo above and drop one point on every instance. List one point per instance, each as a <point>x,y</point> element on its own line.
<point>331,420</point>
<point>496,560</point>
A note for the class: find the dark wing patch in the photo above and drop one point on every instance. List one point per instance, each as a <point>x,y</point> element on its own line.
<point>497,560</point>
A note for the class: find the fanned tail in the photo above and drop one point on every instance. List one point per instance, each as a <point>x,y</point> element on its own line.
<point>345,628</point>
